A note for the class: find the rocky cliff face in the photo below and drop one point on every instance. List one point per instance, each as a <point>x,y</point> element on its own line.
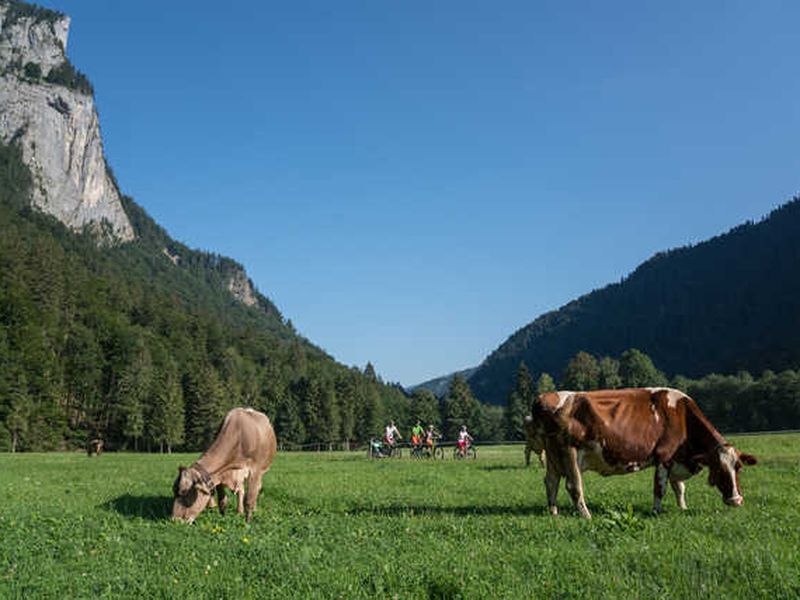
<point>47,108</point>
<point>242,288</point>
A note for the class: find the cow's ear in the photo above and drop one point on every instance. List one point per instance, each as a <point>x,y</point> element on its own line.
<point>202,486</point>
<point>181,470</point>
<point>700,458</point>
<point>748,459</point>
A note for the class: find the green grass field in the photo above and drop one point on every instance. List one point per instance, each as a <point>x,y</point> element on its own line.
<point>339,525</point>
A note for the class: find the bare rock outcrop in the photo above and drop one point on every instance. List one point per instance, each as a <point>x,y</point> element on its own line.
<point>47,108</point>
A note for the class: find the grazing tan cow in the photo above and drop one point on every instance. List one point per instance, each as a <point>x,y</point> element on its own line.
<point>245,442</point>
<point>623,431</point>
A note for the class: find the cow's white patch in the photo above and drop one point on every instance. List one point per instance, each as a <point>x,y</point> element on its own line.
<point>727,462</point>
<point>562,398</point>
<point>680,492</point>
<point>673,395</point>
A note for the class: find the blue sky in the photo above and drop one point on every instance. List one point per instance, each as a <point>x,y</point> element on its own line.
<point>411,182</point>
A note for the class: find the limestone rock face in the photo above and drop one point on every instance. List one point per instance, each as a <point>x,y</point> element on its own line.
<point>242,288</point>
<point>55,125</point>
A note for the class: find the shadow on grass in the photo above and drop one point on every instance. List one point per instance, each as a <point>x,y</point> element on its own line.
<point>600,513</point>
<point>503,468</point>
<point>152,508</point>
<point>416,509</point>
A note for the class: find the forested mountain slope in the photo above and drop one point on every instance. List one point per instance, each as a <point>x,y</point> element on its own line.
<point>440,385</point>
<point>146,345</point>
<point>729,303</point>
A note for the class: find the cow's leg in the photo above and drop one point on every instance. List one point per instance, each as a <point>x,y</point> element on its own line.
<point>240,499</point>
<point>659,486</point>
<point>222,499</point>
<point>527,456</point>
<point>575,482</point>
<point>251,496</point>
<point>552,480</point>
<point>679,487</point>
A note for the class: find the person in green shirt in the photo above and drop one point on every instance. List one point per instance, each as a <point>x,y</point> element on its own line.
<point>417,435</point>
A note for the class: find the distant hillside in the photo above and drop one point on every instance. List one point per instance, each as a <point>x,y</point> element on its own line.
<point>440,385</point>
<point>729,303</point>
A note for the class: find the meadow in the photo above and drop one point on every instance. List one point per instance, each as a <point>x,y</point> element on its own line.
<point>337,525</point>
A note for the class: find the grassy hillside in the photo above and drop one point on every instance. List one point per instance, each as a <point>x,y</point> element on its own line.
<point>730,303</point>
<point>338,525</point>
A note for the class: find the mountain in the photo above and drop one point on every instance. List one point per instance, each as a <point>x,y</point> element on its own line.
<point>440,385</point>
<point>729,303</point>
<point>109,327</point>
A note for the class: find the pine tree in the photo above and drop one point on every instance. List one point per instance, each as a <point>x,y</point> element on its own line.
<point>203,392</point>
<point>425,408</point>
<point>18,410</point>
<point>460,408</point>
<point>346,386</point>
<point>289,426</point>
<point>519,402</point>
<point>545,384</point>
<point>134,388</point>
<point>370,374</point>
<point>166,421</point>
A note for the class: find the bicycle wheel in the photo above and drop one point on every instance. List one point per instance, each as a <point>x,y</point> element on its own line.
<point>472,453</point>
<point>456,454</point>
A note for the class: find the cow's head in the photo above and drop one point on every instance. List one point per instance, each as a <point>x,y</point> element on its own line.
<point>534,434</point>
<point>192,491</point>
<point>724,463</point>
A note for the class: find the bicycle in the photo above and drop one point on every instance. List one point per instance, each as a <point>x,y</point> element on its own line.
<point>380,449</point>
<point>470,452</point>
<point>425,451</point>
<point>420,451</point>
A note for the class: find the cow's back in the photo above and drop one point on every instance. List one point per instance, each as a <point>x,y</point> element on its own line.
<point>246,439</point>
<point>257,436</point>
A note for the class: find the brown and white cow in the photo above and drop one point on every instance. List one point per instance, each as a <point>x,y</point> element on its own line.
<point>245,442</point>
<point>622,431</point>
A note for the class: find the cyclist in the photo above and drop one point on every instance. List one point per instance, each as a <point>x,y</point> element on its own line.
<point>464,441</point>
<point>389,435</point>
<point>431,435</point>
<point>417,433</point>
